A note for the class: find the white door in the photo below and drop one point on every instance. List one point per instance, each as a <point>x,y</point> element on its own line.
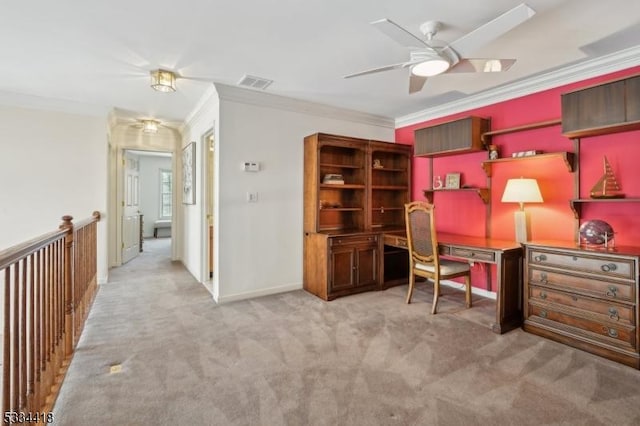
<point>131,212</point>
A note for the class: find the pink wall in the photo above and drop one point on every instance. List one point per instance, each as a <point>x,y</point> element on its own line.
<point>464,213</point>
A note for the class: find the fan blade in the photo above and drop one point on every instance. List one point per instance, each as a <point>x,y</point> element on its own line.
<point>399,34</point>
<point>380,69</point>
<point>416,83</point>
<point>482,65</point>
<point>482,35</point>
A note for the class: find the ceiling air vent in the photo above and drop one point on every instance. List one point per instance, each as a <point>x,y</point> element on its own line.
<point>254,82</point>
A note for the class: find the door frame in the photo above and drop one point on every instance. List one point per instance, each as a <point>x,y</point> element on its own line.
<point>116,200</point>
<point>209,143</point>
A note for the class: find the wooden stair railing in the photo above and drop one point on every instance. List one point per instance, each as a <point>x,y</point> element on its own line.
<point>49,285</point>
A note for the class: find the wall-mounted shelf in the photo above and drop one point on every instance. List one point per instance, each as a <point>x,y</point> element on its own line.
<point>568,158</point>
<point>486,136</point>
<point>483,193</point>
<point>576,204</point>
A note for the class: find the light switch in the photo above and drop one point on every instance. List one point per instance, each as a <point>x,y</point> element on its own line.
<point>252,197</point>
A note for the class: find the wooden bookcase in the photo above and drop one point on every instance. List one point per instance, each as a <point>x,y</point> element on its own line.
<point>343,250</point>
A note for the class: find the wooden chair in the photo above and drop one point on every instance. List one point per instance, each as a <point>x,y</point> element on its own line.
<point>424,257</point>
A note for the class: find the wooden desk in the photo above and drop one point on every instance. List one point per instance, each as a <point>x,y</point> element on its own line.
<point>507,255</point>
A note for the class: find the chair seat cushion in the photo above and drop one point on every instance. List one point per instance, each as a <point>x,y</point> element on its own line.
<point>447,267</point>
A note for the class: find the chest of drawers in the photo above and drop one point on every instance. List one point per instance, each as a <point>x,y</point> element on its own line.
<point>586,298</point>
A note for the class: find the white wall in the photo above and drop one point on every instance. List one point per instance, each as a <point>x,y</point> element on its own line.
<point>149,175</point>
<point>260,244</point>
<point>51,164</point>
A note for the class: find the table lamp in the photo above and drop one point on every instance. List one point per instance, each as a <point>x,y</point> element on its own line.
<point>521,191</point>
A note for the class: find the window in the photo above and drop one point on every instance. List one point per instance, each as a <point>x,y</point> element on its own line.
<point>166,189</point>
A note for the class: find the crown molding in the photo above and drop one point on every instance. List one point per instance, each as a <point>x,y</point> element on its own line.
<point>206,102</point>
<point>254,97</point>
<point>588,69</point>
<point>21,100</point>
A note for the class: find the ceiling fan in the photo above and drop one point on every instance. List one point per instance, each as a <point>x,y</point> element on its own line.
<point>429,56</point>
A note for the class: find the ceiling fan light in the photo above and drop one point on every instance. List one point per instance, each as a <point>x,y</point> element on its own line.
<point>163,80</point>
<point>430,67</point>
<point>150,126</point>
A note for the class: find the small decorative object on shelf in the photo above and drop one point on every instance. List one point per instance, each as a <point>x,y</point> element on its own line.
<point>494,154</point>
<point>377,164</point>
<point>437,182</point>
<point>452,181</point>
<point>607,186</point>
<point>596,233</point>
<point>529,153</point>
<point>333,179</point>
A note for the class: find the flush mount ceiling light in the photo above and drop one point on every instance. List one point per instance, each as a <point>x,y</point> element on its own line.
<point>163,80</point>
<point>150,126</point>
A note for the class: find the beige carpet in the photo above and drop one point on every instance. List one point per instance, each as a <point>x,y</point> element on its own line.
<point>293,359</point>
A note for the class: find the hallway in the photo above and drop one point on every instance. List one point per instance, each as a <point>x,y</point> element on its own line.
<point>140,321</point>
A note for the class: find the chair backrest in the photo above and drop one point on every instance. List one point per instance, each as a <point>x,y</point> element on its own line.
<point>421,232</point>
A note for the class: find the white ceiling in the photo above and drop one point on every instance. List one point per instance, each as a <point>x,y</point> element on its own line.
<point>96,56</point>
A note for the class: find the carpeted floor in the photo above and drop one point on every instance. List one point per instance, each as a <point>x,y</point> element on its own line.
<point>293,359</point>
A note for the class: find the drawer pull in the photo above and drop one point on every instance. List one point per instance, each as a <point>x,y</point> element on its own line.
<point>543,295</point>
<point>544,278</point>
<point>540,258</point>
<point>611,292</point>
<point>613,314</point>
<point>611,332</point>
<point>608,267</point>
<point>543,314</point>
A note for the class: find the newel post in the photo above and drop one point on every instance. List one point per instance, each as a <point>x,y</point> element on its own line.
<point>68,284</point>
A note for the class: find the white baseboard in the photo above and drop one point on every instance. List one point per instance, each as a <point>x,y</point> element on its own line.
<point>258,293</point>
<point>474,290</point>
<point>103,280</point>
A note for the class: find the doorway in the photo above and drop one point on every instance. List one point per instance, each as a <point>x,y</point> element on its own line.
<point>147,202</point>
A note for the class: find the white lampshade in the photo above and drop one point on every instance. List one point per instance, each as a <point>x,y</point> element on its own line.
<point>163,80</point>
<point>432,66</point>
<point>522,191</point>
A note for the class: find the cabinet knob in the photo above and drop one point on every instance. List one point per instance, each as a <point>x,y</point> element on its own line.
<point>543,314</point>
<point>608,267</point>
<point>543,295</point>
<point>611,292</point>
<point>611,332</point>
<point>613,314</point>
<point>540,258</point>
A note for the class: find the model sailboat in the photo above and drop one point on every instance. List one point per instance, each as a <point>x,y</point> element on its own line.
<point>607,186</point>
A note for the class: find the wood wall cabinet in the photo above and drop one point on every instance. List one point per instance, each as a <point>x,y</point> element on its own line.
<point>585,298</point>
<point>451,138</point>
<point>605,108</point>
<point>344,252</point>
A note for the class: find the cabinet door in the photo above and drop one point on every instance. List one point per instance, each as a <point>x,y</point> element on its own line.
<point>342,264</point>
<point>633,99</point>
<point>593,108</point>
<point>367,265</point>
<point>451,138</point>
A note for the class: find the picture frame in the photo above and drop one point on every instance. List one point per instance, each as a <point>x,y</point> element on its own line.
<point>188,173</point>
<point>452,181</point>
